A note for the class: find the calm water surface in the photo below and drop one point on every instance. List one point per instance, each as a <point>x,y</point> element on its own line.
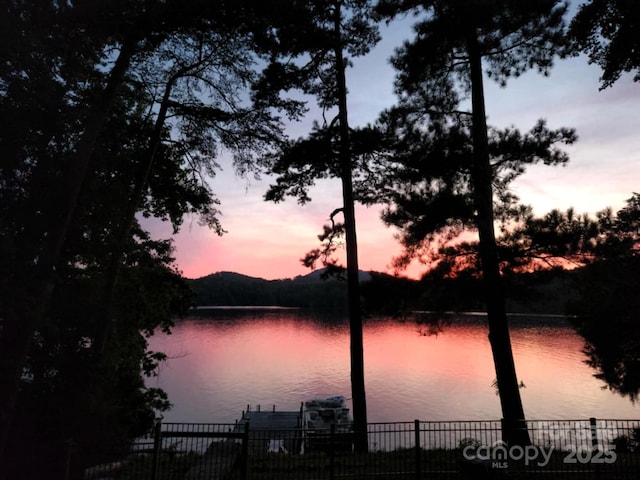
<point>224,361</point>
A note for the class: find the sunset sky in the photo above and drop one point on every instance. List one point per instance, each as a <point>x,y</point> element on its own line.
<point>267,240</point>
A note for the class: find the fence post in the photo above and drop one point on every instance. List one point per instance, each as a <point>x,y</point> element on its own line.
<point>244,461</point>
<point>594,433</point>
<point>69,447</point>
<point>417,449</point>
<point>332,454</point>
<point>157,448</point>
<point>595,446</point>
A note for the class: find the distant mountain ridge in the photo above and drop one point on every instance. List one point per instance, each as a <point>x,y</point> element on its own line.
<point>541,292</point>
<point>307,291</point>
<point>314,276</point>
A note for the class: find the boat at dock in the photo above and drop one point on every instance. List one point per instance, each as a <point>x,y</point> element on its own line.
<point>312,427</point>
<point>327,424</point>
<point>321,414</point>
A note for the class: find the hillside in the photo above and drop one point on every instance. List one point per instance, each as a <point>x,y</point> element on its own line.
<point>306,291</point>
<point>541,292</point>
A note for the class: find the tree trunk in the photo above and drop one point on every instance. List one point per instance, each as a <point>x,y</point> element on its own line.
<point>514,428</point>
<point>124,230</point>
<point>32,288</point>
<point>353,283</point>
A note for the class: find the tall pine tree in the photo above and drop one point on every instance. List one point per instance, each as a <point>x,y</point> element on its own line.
<point>442,71</point>
<point>332,30</point>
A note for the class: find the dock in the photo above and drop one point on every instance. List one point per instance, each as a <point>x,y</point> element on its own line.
<point>273,430</point>
<point>319,424</point>
<point>272,419</point>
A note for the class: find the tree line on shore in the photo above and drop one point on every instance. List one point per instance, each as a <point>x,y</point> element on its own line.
<point>556,291</point>
<point>543,292</point>
<point>116,111</point>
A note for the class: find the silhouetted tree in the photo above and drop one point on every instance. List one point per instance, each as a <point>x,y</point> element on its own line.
<point>47,58</point>
<point>607,31</point>
<point>606,316</point>
<point>606,310</point>
<point>199,81</point>
<point>63,396</point>
<point>77,94</point>
<point>443,65</point>
<point>606,247</point>
<point>336,28</point>
<point>560,237</point>
<point>605,293</point>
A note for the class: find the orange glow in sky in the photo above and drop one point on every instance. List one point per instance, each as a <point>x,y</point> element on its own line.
<point>267,240</point>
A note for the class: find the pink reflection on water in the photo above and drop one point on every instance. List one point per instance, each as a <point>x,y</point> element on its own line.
<point>284,358</point>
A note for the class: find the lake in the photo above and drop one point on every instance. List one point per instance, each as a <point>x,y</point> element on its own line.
<point>223,360</point>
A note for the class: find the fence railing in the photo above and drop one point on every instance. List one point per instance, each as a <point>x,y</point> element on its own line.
<point>575,449</point>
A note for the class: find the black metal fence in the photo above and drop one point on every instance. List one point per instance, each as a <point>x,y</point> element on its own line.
<point>572,449</point>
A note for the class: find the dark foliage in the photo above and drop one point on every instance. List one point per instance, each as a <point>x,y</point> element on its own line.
<point>607,31</point>
<point>109,110</point>
<point>607,318</point>
<point>71,405</point>
<point>457,44</point>
<point>327,34</point>
<point>545,291</point>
